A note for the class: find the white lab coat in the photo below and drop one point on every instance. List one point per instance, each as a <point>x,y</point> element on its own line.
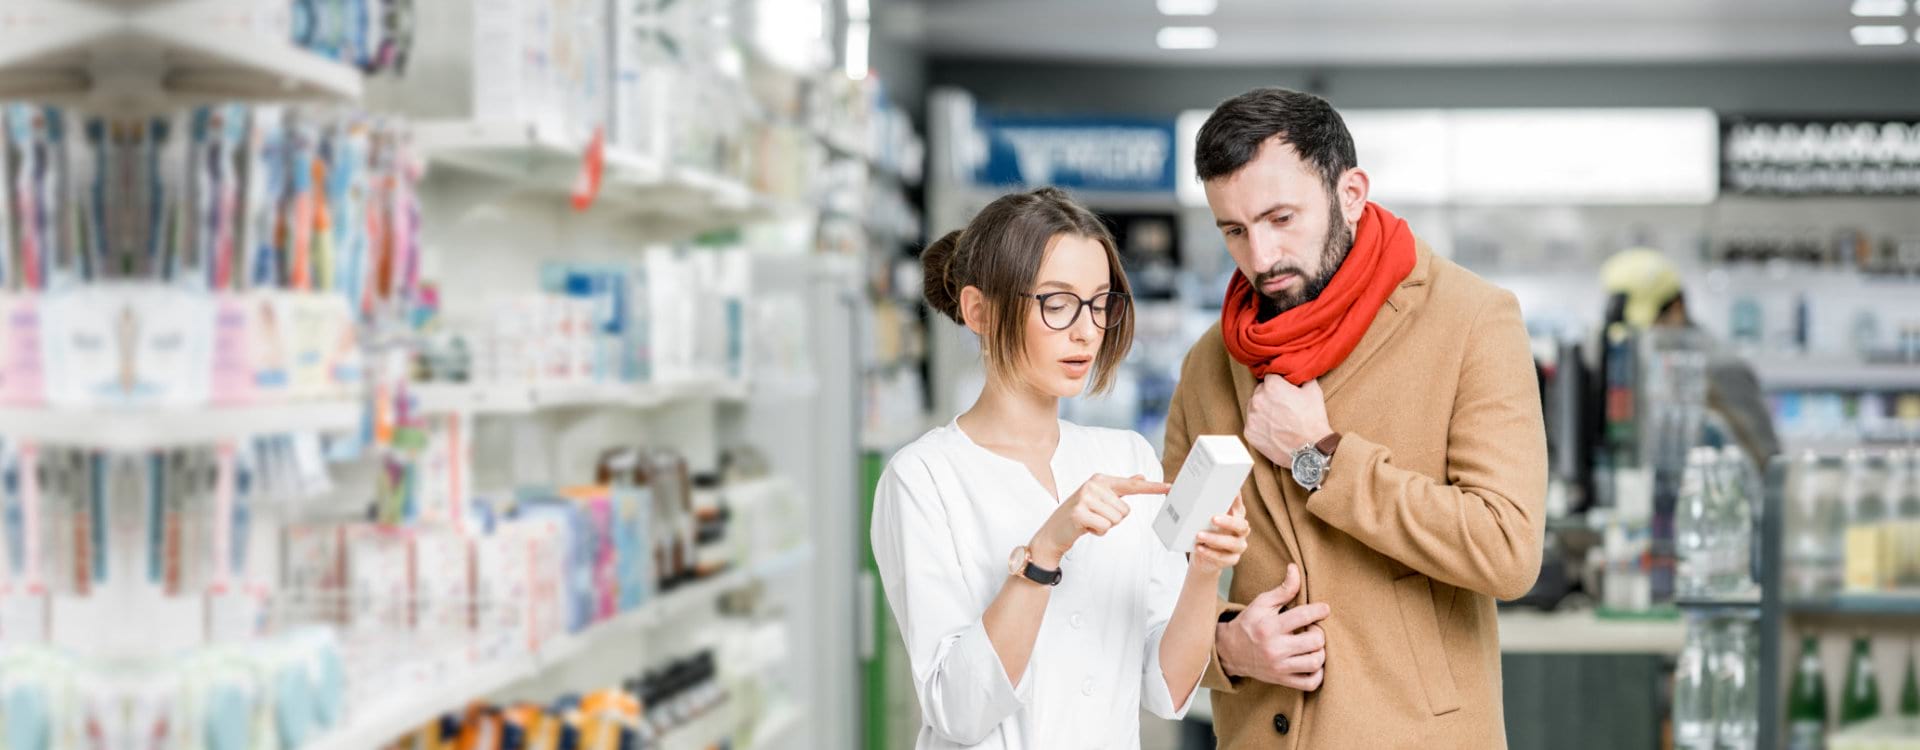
<point>946,516</point>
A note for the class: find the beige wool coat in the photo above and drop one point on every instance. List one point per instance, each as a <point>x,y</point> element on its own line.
<point>1432,508</point>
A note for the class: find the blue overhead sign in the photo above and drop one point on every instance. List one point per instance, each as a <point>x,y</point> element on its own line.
<point>1119,155</point>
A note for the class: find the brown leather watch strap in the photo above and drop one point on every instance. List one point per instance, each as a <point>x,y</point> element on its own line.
<point>1328,444</point>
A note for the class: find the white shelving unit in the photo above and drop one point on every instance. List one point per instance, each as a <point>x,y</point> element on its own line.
<point>148,429</point>
<point>1837,373</point>
<point>392,720</point>
<point>773,730</point>
<point>538,159</point>
<point>155,53</point>
<point>438,398</point>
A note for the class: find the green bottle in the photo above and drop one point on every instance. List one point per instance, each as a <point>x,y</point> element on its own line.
<point>1807,702</point>
<point>1861,701</point>
<point>1910,688</point>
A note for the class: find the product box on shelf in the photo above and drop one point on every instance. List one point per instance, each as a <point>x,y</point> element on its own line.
<point>21,374</point>
<point>541,63</point>
<point>379,581</point>
<point>596,506</point>
<point>126,345</point>
<point>573,551</point>
<point>313,572</point>
<point>632,511</point>
<point>443,587</point>
<point>647,78</point>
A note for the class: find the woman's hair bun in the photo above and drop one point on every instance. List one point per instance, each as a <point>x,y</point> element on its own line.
<point>936,266</point>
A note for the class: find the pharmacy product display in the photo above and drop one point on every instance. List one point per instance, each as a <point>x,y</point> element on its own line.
<point>1715,525</point>
<point>1853,524</point>
<point>273,693</point>
<point>687,702</point>
<point>224,255</point>
<point>673,316</point>
<point>375,36</point>
<point>1834,575</point>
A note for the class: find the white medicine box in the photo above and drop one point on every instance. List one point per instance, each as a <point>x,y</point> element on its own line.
<point>1215,468</point>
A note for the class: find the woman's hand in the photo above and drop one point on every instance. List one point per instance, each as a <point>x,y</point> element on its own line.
<point>1219,548</point>
<point>1094,509</point>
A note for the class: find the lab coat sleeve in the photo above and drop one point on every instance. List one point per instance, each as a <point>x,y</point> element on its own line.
<point>1482,526</point>
<point>964,691</point>
<point>1166,574</point>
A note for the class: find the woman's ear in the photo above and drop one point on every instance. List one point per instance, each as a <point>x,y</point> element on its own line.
<point>973,309</point>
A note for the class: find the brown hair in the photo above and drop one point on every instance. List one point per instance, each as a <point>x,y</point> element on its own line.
<point>1000,252</point>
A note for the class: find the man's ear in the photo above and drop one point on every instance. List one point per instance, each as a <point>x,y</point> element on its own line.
<point>1353,189</point>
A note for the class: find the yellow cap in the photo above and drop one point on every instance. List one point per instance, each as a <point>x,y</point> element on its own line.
<point>1647,278</point>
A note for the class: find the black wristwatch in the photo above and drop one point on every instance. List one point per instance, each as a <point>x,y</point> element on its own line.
<point>1021,564</point>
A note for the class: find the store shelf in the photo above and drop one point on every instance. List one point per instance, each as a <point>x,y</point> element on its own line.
<point>1839,374</point>
<point>541,159</point>
<point>395,719</point>
<point>1748,602</point>
<point>139,430</point>
<point>705,733</point>
<point>158,54</point>
<point>1889,605</point>
<point>1584,632</point>
<point>772,731</point>
<point>415,708</point>
<point>451,398</point>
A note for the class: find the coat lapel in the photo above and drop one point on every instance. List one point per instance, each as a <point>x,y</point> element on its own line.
<point>1391,318</point>
<point>1266,477</point>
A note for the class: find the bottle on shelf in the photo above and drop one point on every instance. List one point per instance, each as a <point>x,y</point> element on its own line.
<point>1861,700</point>
<point>1903,485</point>
<point>1814,528</point>
<point>1733,514</point>
<point>1693,725</point>
<point>1696,541</point>
<point>1807,700</point>
<point>1910,687</point>
<point>1736,690</point>
<point>1866,521</point>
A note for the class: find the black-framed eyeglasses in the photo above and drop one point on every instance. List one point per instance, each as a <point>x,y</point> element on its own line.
<point>1060,310</point>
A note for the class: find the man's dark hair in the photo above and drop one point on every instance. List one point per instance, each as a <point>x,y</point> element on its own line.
<point>1234,132</point>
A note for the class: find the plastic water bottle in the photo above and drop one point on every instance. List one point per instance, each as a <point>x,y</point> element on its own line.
<point>1733,517</point>
<point>1693,725</point>
<point>1694,532</point>
<point>1736,694</point>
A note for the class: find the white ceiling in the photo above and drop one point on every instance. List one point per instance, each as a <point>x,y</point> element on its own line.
<point>1406,32</point>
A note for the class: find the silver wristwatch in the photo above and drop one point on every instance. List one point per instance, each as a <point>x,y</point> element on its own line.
<point>1311,461</point>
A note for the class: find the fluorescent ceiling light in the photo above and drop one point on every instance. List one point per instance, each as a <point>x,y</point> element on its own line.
<point>1198,7</point>
<point>860,10</point>
<point>1187,37</point>
<point>1879,8</point>
<point>1879,36</point>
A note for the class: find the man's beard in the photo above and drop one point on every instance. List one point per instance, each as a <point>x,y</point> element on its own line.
<point>1332,254</point>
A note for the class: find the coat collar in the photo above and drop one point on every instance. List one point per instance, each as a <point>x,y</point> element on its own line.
<point>1392,317</point>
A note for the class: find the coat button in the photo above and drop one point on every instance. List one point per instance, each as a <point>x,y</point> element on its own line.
<point>1074,621</point>
<point>1280,723</point>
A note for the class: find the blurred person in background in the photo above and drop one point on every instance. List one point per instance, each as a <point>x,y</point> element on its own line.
<point>1092,618</point>
<point>1645,293</point>
<point>1397,389</point>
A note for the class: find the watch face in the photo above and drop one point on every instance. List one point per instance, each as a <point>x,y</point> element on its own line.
<point>1308,467</point>
<point>1017,564</point>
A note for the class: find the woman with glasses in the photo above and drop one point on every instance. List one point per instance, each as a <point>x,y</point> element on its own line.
<point>1017,551</point>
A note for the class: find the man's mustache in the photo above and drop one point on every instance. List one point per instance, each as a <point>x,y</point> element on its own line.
<point>1277,271</point>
